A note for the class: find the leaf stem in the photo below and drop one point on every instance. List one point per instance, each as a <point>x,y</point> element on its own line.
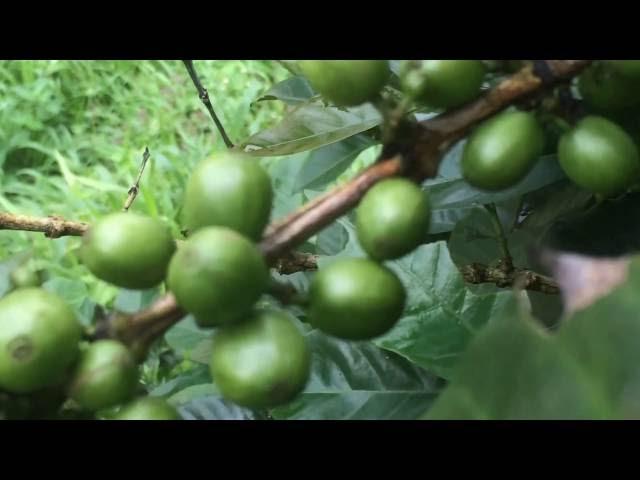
<point>507,260</point>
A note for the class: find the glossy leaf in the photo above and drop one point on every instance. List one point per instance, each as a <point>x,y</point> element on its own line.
<point>359,381</point>
<point>311,126</point>
<point>442,313</point>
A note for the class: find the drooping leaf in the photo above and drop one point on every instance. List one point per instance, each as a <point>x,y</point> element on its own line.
<point>310,126</point>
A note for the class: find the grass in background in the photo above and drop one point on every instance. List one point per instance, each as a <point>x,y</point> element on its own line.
<point>73,132</point>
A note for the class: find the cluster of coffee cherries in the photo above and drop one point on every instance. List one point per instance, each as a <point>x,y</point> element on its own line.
<point>260,358</point>
<point>44,363</point>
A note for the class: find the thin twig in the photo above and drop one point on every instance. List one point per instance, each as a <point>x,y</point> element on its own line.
<point>52,226</point>
<point>204,96</point>
<point>525,279</point>
<point>135,188</point>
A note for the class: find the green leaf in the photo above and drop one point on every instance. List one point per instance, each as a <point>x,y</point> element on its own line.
<point>456,192</point>
<point>6,267</point>
<point>452,197</point>
<point>515,370</point>
<point>197,375</point>
<point>605,339</point>
<point>326,164</point>
<point>193,392</point>
<point>292,91</point>
<point>75,294</point>
<point>201,353</point>
<point>215,408</point>
<point>474,239</point>
<point>133,300</point>
<point>442,314</point>
<point>311,126</point>
<point>333,239</point>
<point>185,335</point>
<point>359,381</point>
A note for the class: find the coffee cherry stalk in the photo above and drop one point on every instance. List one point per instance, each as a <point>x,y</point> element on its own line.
<point>219,273</point>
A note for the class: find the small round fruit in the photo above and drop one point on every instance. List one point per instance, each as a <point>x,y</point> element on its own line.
<point>39,340</point>
<point>147,408</point>
<point>217,275</point>
<point>261,362</point>
<point>627,68</point>
<point>443,83</point>
<point>346,82</point>
<point>25,275</point>
<point>128,250</point>
<point>393,219</point>
<point>106,376</point>
<point>605,90</point>
<point>502,150</point>
<point>355,299</point>
<point>228,190</point>
<point>599,156</point>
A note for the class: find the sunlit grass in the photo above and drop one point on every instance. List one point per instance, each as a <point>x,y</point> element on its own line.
<point>73,134</point>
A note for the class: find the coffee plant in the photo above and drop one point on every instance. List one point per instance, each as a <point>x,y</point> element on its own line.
<point>456,244</point>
